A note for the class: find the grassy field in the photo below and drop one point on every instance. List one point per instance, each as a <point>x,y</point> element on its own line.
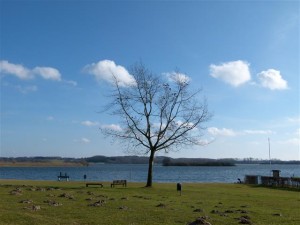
<point>52,202</point>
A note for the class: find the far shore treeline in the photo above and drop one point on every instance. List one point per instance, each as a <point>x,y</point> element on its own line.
<point>162,160</point>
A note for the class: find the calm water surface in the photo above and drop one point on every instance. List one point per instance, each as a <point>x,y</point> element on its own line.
<point>138,173</point>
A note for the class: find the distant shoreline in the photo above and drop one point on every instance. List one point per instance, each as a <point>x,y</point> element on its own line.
<point>200,164</point>
<point>56,161</point>
<point>41,164</point>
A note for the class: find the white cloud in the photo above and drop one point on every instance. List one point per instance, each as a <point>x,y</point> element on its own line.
<point>204,142</point>
<point>89,123</point>
<point>114,127</point>
<point>234,73</point>
<point>107,70</point>
<point>186,125</point>
<point>47,73</point>
<point>82,140</point>
<point>231,133</point>
<point>178,77</point>
<point>15,70</point>
<point>85,140</point>
<point>258,132</point>
<point>272,79</point>
<point>221,132</point>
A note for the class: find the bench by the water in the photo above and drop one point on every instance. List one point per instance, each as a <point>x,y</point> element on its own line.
<point>119,182</point>
<point>61,176</point>
<point>94,183</point>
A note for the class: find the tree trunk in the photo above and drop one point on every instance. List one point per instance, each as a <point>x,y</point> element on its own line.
<point>150,168</point>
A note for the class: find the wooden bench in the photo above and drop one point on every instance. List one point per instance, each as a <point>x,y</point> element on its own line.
<point>94,183</point>
<point>119,182</point>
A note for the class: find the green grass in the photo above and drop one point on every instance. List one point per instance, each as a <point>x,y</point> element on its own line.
<point>136,205</point>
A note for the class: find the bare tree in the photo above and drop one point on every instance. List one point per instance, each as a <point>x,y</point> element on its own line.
<point>157,114</point>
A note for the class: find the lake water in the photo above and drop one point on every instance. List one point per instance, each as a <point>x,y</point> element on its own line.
<point>138,172</point>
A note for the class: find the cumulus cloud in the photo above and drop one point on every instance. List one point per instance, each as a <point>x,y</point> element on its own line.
<point>272,79</point>
<point>47,73</point>
<point>15,69</point>
<point>108,70</point>
<point>89,123</point>
<point>234,73</point>
<point>221,132</point>
<point>178,77</point>
<point>114,127</point>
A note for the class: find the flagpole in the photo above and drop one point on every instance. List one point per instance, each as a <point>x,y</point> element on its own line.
<point>269,151</point>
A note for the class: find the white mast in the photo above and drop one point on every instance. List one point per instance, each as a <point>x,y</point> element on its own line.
<point>269,152</point>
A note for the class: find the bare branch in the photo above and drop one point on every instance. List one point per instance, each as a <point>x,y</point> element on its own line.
<point>157,114</point>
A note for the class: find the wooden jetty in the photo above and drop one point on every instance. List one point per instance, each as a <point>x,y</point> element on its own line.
<point>275,180</point>
<point>63,177</point>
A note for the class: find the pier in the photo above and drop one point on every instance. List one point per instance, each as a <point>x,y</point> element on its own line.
<point>63,177</point>
<point>276,180</point>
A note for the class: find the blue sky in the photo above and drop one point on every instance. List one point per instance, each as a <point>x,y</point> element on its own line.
<point>54,58</point>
